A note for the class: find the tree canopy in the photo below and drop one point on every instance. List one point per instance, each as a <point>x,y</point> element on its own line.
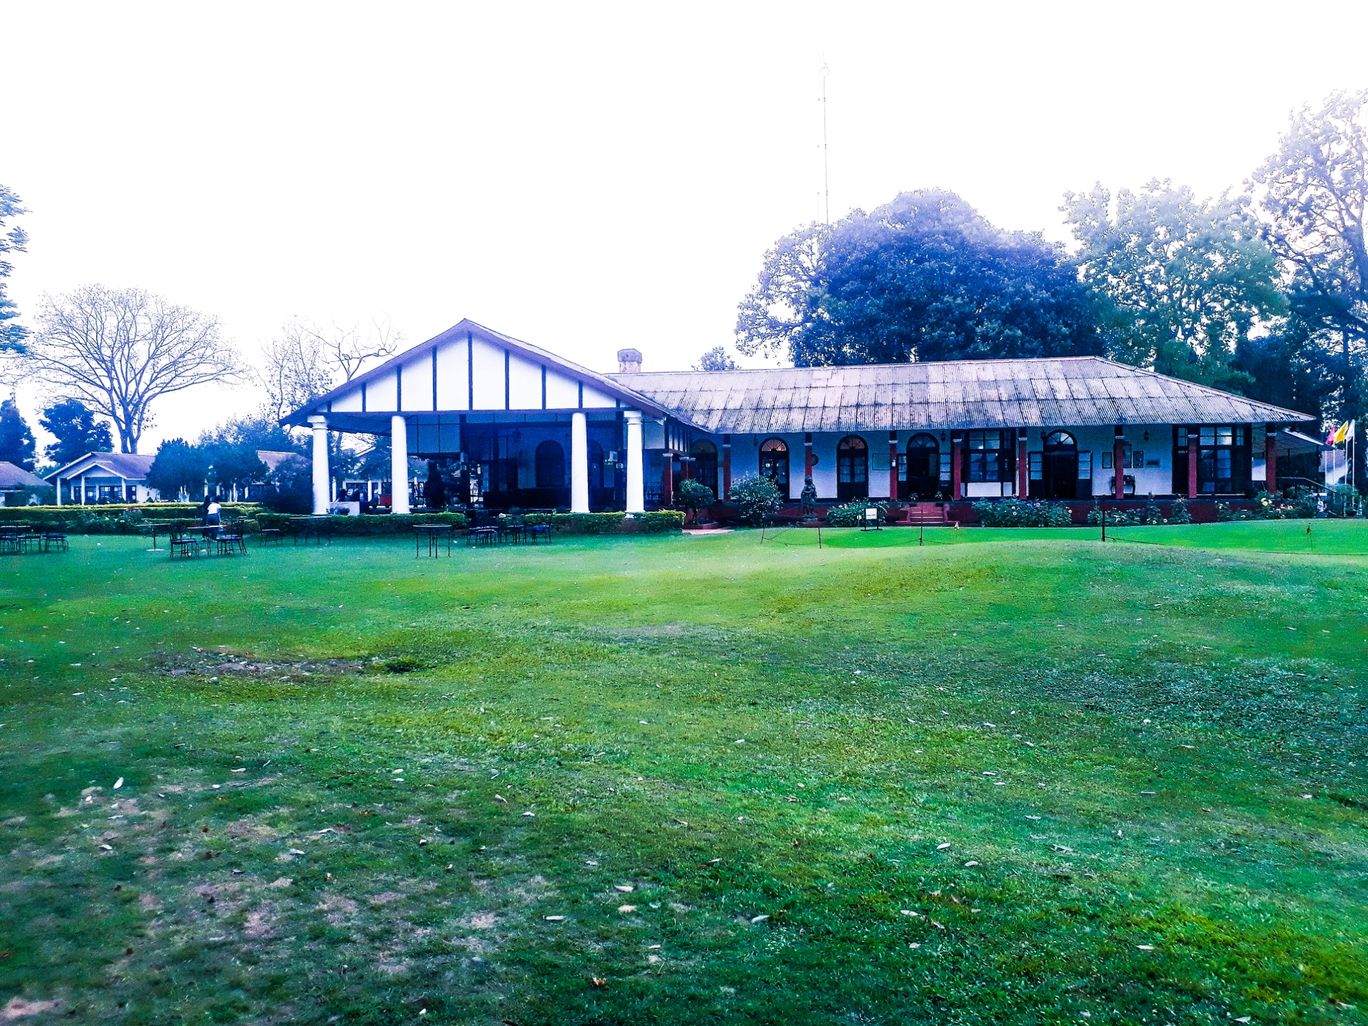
<point>1313,195</point>
<point>76,431</point>
<point>716,359</point>
<point>924,277</point>
<point>12,240</point>
<point>16,440</point>
<point>1184,282</point>
<point>179,468</point>
<point>118,351</point>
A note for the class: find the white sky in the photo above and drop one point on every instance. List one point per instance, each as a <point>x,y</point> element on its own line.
<point>589,176</point>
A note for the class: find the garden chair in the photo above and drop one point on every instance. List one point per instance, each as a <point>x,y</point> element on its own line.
<point>55,540</point>
<point>231,540</point>
<point>183,544</point>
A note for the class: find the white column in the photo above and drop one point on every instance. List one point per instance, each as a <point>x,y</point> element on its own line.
<point>579,463</point>
<point>80,481</point>
<point>59,491</point>
<point>636,491</point>
<point>399,475</point>
<point>320,464</point>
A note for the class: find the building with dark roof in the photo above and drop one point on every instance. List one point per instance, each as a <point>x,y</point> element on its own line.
<point>533,430</point>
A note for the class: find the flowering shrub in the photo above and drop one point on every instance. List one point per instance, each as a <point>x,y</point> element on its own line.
<point>852,514</point>
<point>757,499</point>
<point>1022,513</point>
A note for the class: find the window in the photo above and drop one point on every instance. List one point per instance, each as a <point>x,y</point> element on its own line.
<point>774,463</point>
<point>1222,459</point>
<point>988,457</point>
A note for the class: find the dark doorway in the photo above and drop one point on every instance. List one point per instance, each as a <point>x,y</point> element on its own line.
<point>774,463</point>
<point>1059,466</point>
<point>550,465</point>
<point>852,469</point>
<point>923,468</point>
<point>704,467</point>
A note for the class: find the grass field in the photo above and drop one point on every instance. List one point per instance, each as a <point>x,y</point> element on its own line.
<point>1009,776</point>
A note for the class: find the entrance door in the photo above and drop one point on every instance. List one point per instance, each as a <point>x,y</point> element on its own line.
<point>852,469</point>
<point>1059,466</point>
<point>923,468</point>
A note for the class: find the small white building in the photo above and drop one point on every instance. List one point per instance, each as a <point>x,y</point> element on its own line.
<point>103,477</point>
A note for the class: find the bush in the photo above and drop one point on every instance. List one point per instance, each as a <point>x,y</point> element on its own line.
<point>1179,512</point>
<point>694,496</point>
<point>370,525</point>
<point>757,499</point>
<point>852,514</point>
<point>1022,513</point>
<point>112,519</point>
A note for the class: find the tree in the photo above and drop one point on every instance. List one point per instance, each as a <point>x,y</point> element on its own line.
<point>716,359</point>
<point>76,430</point>
<point>12,333</point>
<point>118,351</point>
<point>1313,195</point>
<point>757,499</point>
<point>16,440</point>
<point>305,361</point>
<point>924,277</point>
<point>1188,281</point>
<point>695,496</point>
<point>180,469</point>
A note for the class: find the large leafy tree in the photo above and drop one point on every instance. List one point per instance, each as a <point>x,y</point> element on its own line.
<point>12,240</point>
<point>16,440</point>
<point>1313,194</point>
<point>1187,281</point>
<point>76,431</point>
<point>924,277</point>
<point>180,469</point>
<point>118,351</point>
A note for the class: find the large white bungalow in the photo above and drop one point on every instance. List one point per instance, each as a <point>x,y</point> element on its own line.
<point>536,430</point>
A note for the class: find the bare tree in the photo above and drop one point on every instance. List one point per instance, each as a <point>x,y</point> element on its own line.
<point>120,350</point>
<point>305,361</point>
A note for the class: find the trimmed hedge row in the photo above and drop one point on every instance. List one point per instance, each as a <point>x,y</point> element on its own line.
<point>657,522</point>
<point>562,523</point>
<point>369,524</point>
<point>115,519</point>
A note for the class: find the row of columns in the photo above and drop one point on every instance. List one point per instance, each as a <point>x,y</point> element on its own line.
<point>579,464</point>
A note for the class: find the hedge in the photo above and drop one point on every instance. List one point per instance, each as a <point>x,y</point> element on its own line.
<point>609,523</point>
<point>120,519</point>
<point>369,524</point>
<point>1022,513</point>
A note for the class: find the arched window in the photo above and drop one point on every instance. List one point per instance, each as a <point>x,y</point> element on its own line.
<point>852,468</point>
<point>921,480</point>
<point>774,463</point>
<point>704,471</point>
<point>1059,465</point>
<point>550,465</point>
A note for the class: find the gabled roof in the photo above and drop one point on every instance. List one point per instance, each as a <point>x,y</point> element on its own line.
<point>14,476</point>
<point>1063,391</point>
<point>456,332</point>
<point>130,466</point>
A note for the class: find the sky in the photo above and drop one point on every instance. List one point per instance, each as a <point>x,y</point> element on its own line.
<point>589,176</point>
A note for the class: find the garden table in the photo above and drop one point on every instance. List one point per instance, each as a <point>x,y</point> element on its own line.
<point>433,533</point>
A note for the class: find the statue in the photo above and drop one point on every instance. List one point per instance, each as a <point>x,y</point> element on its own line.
<point>808,498</point>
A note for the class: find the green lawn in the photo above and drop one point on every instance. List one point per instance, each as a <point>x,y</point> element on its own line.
<point>1009,776</point>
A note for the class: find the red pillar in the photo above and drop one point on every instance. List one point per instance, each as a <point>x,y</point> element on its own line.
<point>1271,458</point>
<point>893,465</point>
<point>1118,461</point>
<point>667,480</point>
<point>1193,439</point>
<point>726,467</point>
<point>956,449</point>
<point>807,458</point>
<point>1023,467</point>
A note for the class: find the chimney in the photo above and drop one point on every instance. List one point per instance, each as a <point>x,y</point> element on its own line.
<point>629,361</point>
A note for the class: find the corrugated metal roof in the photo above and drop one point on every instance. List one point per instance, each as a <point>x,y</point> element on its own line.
<point>1067,391</point>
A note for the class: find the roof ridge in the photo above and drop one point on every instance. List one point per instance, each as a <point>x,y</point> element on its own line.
<point>845,366</point>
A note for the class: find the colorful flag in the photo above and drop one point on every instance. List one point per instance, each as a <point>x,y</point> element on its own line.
<point>1341,433</point>
<point>1349,430</point>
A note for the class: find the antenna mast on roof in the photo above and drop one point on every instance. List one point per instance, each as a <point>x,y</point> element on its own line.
<point>826,171</point>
